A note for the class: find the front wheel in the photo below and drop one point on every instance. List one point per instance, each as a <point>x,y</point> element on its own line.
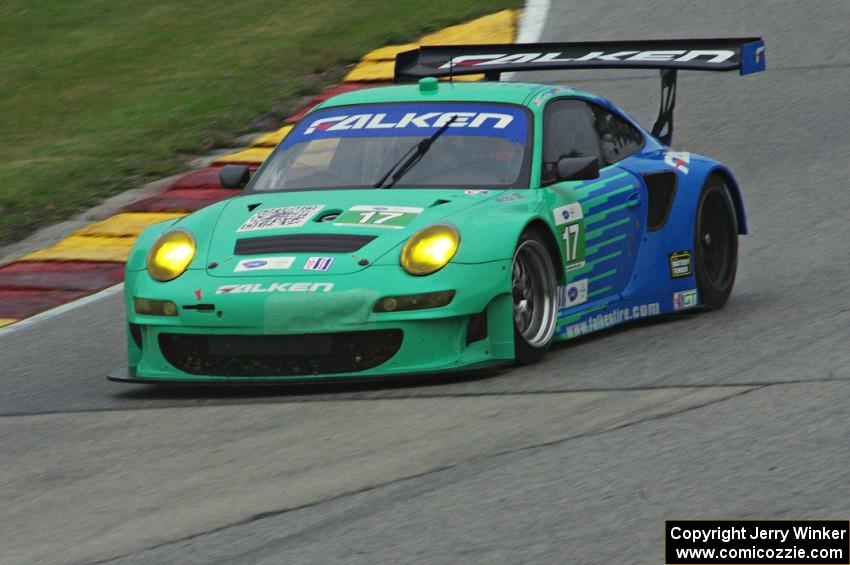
<point>534,291</point>
<point>715,244</point>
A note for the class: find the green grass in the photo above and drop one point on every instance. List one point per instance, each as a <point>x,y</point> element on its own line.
<point>98,96</point>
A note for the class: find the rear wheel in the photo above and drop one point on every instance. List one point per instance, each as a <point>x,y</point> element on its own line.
<point>534,292</point>
<point>715,244</point>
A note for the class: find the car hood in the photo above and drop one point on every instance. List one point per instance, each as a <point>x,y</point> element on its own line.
<point>258,233</point>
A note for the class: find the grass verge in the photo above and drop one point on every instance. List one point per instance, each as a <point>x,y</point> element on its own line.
<point>98,96</point>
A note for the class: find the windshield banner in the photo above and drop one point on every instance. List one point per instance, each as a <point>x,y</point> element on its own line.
<point>419,120</point>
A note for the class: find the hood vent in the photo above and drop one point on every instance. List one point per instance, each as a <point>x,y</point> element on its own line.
<point>301,243</point>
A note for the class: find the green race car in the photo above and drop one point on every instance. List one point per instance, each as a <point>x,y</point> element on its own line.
<point>439,226</point>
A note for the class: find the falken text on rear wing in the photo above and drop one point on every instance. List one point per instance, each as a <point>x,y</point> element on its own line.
<point>744,54</point>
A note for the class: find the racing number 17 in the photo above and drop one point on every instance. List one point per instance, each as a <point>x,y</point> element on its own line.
<point>571,233</point>
<point>570,222</point>
<point>367,217</point>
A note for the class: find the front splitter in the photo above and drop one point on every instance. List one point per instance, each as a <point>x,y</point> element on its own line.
<point>128,375</point>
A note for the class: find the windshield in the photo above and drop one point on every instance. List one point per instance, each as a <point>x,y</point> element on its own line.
<point>485,145</point>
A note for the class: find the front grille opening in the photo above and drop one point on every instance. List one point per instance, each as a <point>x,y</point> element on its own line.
<point>476,330</point>
<point>302,243</point>
<point>279,355</point>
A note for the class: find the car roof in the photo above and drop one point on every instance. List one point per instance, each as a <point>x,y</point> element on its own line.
<point>498,92</point>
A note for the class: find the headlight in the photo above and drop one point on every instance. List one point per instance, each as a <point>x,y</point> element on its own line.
<point>154,307</point>
<point>170,255</point>
<point>430,249</point>
<point>413,301</point>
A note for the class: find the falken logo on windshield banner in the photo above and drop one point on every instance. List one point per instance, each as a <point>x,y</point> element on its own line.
<point>710,56</point>
<point>422,120</point>
<point>413,120</point>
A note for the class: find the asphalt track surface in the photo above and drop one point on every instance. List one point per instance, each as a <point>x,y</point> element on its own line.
<point>740,413</point>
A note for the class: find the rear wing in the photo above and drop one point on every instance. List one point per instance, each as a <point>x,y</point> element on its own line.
<point>744,54</point>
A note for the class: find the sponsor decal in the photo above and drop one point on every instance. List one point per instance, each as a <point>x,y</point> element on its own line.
<point>274,218</point>
<point>198,293</point>
<point>572,294</point>
<point>538,100</point>
<point>412,120</point>
<point>264,264</point>
<point>612,318</point>
<point>679,160</point>
<point>680,264</point>
<point>473,192</point>
<point>421,120</point>
<point>685,299</point>
<point>569,221</point>
<point>394,217</point>
<point>259,288</point>
<point>318,264</point>
<point>710,56</point>
<point>510,197</point>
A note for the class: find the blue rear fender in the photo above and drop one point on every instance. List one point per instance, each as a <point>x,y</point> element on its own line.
<point>690,184</point>
<point>652,267</point>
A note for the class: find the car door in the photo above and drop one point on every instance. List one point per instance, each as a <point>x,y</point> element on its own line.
<point>600,221</point>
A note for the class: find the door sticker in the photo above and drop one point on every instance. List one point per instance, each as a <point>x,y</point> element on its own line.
<point>394,217</point>
<point>569,221</point>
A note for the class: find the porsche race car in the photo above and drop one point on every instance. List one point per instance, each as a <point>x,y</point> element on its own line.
<point>443,226</point>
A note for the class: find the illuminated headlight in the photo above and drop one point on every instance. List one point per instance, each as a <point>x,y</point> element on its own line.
<point>430,249</point>
<point>170,255</point>
<point>154,307</point>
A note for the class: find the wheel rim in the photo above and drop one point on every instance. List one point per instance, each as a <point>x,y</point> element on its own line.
<point>533,291</point>
<point>715,240</point>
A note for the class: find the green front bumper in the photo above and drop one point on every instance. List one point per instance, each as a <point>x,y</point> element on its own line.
<point>432,340</point>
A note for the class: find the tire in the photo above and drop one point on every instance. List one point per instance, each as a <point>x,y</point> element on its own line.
<point>534,289</point>
<point>715,244</point>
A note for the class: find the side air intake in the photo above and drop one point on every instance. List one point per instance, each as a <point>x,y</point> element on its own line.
<point>661,188</point>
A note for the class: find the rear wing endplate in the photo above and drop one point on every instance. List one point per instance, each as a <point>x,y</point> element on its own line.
<point>744,54</point>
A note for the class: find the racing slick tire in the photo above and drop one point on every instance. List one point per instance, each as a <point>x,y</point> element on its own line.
<point>715,244</point>
<point>534,290</point>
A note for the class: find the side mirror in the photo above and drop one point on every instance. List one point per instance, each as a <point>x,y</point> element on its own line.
<point>234,176</point>
<point>578,168</point>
